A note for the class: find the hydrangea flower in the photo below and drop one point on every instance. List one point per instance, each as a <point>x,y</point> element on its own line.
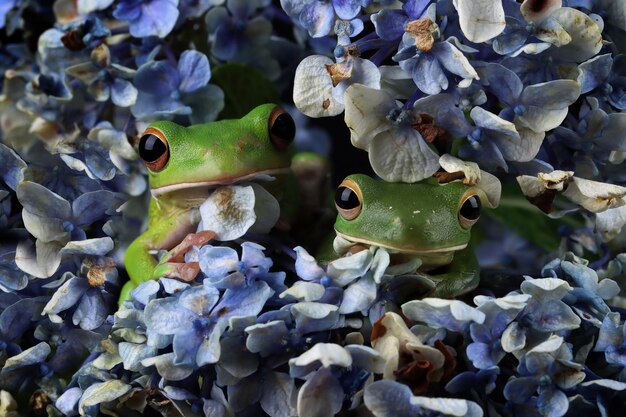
<point>320,84</point>
<point>547,369</point>
<point>197,317</point>
<point>318,16</point>
<point>379,125</point>
<point>148,17</point>
<point>106,79</point>
<point>167,90</point>
<point>424,56</point>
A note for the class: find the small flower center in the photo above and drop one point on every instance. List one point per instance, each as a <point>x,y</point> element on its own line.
<point>424,31</point>
<point>340,71</point>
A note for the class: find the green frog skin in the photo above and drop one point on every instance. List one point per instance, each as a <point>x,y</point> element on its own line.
<point>428,220</point>
<point>185,163</point>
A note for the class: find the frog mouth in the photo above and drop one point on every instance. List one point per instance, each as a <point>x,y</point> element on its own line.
<point>267,175</point>
<point>403,249</point>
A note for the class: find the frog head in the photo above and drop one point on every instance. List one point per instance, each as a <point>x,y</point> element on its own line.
<point>426,219</point>
<point>217,153</point>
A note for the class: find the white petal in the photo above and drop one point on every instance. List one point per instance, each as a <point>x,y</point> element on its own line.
<point>492,188</point>
<point>366,113</point>
<point>452,164</point>
<point>266,210</point>
<point>307,291</point>
<point>402,155</point>
<point>541,120</point>
<point>326,353</point>
<point>526,148</point>
<point>535,186</point>
<point>313,88</point>
<point>41,262</point>
<point>396,80</point>
<point>229,212</point>
<point>610,222</point>
<point>595,196</point>
<point>586,35</point>
<point>481,20</point>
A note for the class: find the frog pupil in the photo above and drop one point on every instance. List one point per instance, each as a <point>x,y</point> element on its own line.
<point>284,127</point>
<point>346,199</point>
<point>471,208</point>
<point>151,148</point>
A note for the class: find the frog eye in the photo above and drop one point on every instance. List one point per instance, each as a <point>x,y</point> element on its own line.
<point>154,150</point>
<point>348,199</point>
<point>282,129</point>
<point>469,211</point>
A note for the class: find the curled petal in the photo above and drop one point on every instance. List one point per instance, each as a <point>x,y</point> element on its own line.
<point>480,20</point>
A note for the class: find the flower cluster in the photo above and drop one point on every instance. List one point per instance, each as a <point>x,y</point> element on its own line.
<point>529,93</point>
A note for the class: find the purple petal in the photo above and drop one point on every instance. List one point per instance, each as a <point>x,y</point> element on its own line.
<point>347,9</point>
<point>389,24</point>
<point>317,17</point>
<point>194,70</point>
<point>415,8</point>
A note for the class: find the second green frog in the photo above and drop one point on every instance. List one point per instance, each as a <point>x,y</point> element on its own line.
<point>428,220</point>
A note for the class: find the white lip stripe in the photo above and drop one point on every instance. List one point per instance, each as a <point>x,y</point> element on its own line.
<point>404,250</point>
<point>185,185</point>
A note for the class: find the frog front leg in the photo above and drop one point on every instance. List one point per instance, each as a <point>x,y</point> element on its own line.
<point>164,234</point>
<point>461,276</point>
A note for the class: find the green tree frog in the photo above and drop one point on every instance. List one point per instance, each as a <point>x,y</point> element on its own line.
<point>185,163</point>
<point>428,220</point>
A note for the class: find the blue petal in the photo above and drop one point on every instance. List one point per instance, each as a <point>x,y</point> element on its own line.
<point>93,206</point>
<point>248,301</point>
<point>199,299</point>
<point>252,256</point>
<point>157,77</point>
<point>145,292</point>
<point>195,71</point>
<point>502,82</point>
<point>16,318</point>
<point>67,403</point>
<point>157,18</point>
<point>390,399</point>
<point>266,339</point>
<point>67,295</point>
<point>552,402</point>
<point>123,92</point>
<point>317,17</point>
<point>428,74</point>
<point>185,346</point>
<point>519,390</point>
<point>415,8</point>
<point>32,356</point>
<point>358,296</point>
<point>389,24</point>
<point>347,9</point>
<point>306,265</point>
<point>216,261</point>
<point>92,310</point>
<point>12,167</point>
<point>480,355</point>
<point>512,38</point>
<point>165,316</point>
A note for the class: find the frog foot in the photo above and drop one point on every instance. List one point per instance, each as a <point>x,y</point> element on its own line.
<point>173,264</point>
<point>184,271</point>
